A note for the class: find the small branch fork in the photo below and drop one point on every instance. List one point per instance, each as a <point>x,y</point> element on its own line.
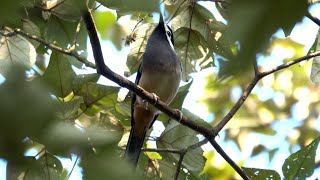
<point>102,69</point>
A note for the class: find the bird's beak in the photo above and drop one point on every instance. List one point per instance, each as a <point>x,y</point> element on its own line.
<point>161,19</point>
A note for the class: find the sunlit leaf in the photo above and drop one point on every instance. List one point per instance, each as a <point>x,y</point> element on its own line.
<point>104,20</point>
<point>15,50</point>
<point>315,70</point>
<point>200,19</point>
<point>256,174</point>
<point>98,97</point>
<point>59,75</point>
<point>192,48</point>
<point>301,164</point>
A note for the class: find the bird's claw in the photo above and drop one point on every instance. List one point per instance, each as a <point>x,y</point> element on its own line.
<point>180,115</point>
<point>155,98</point>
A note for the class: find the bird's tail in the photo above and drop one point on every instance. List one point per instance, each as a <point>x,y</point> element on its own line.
<point>134,146</point>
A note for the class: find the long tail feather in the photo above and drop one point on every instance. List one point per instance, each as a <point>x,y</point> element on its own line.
<point>134,146</point>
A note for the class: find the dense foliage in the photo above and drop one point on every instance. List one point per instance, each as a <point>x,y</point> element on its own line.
<point>48,106</point>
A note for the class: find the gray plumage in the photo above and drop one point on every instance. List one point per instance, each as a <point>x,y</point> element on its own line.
<point>159,73</point>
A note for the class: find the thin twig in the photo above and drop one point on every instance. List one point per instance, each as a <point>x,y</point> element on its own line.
<point>50,46</point>
<point>47,164</point>
<point>227,158</point>
<point>175,151</point>
<point>74,164</point>
<point>255,67</point>
<point>176,176</point>
<point>75,38</point>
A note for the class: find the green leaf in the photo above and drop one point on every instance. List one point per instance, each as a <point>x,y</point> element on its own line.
<point>51,166</point>
<point>97,97</point>
<point>104,21</point>
<point>64,138</point>
<point>176,136</point>
<point>15,50</point>
<point>117,34</point>
<point>192,48</point>
<point>26,110</point>
<point>128,6</point>
<point>271,153</point>
<point>107,165</point>
<point>30,27</point>
<point>62,32</point>
<point>256,174</point>
<point>196,119</point>
<point>301,164</point>
<point>82,79</point>
<point>181,95</point>
<point>11,12</point>
<point>59,75</point>
<point>66,110</point>
<point>258,149</point>
<point>252,25</point>
<point>200,19</point>
<point>66,10</point>
<point>315,69</point>
<point>141,36</point>
<point>15,170</point>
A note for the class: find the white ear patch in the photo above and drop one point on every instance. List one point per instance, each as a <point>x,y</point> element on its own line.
<point>168,35</point>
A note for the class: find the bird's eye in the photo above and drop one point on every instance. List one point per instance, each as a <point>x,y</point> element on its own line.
<point>169,33</point>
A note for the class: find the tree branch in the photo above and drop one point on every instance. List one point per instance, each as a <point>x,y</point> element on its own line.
<point>237,106</point>
<point>253,83</point>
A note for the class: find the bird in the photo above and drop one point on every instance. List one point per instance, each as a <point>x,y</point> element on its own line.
<point>159,73</point>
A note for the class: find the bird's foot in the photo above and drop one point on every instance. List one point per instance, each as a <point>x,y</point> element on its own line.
<point>180,115</point>
<point>155,98</point>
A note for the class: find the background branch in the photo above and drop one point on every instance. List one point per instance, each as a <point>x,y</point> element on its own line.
<point>313,18</point>
<point>69,52</point>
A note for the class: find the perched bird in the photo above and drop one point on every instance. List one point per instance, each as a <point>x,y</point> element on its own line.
<point>159,73</point>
